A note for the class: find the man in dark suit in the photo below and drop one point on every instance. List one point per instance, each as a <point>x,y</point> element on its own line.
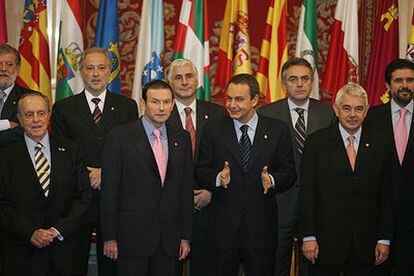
<point>44,194</point>
<point>399,76</point>
<point>192,115</point>
<point>244,159</point>
<point>345,216</point>
<point>304,116</point>
<point>10,92</point>
<point>147,190</point>
<point>86,118</point>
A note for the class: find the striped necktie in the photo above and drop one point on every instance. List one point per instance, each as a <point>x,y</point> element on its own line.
<point>245,147</point>
<point>97,114</point>
<point>300,130</point>
<point>2,96</point>
<point>42,168</point>
<point>189,126</point>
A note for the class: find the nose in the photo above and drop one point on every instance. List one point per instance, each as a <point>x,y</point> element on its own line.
<point>161,106</point>
<point>3,66</point>
<point>95,72</point>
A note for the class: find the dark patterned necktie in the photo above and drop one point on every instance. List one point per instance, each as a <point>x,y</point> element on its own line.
<point>189,126</point>
<point>97,114</point>
<point>2,96</point>
<point>245,147</point>
<point>300,130</point>
<point>42,168</point>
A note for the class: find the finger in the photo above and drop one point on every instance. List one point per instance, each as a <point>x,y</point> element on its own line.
<point>316,252</point>
<point>226,164</point>
<point>197,192</point>
<point>264,169</point>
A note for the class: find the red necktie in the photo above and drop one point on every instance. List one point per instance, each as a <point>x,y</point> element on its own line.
<point>189,126</point>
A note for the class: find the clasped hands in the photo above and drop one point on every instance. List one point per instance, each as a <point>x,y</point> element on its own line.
<point>225,177</point>
<point>43,237</point>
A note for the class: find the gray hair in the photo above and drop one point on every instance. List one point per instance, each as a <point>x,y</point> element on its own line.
<point>180,63</point>
<point>32,94</point>
<point>351,89</point>
<point>95,50</point>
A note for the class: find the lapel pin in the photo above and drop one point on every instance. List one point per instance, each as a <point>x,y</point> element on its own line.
<point>175,144</point>
<point>206,117</point>
<point>112,108</point>
<point>14,102</point>
<point>265,136</point>
<point>61,149</point>
<point>367,145</point>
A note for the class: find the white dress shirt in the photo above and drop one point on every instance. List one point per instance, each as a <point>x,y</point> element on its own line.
<point>181,112</point>
<point>89,98</point>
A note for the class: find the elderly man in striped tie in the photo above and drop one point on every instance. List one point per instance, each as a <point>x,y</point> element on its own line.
<point>44,195</point>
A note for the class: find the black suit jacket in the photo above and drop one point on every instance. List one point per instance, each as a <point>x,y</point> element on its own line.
<point>341,208</point>
<point>380,118</point>
<point>244,196</point>
<point>72,119</point>
<point>24,209</point>
<point>9,112</point>
<point>136,210</point>
<point>320,115</point>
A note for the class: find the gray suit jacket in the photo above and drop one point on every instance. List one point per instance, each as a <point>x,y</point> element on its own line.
<point>320,116</point>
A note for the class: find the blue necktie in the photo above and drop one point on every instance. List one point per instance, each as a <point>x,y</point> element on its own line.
<point>245,147</point>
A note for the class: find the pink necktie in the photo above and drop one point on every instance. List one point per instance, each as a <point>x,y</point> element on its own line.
<point>400,135</point>
<point>189,126</point>
<point>159,155</point>
<point>350,149</point>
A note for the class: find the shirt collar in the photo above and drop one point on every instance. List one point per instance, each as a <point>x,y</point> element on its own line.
<point>32,143</point>
<point>9,89</point>
<point>396,108</point>
<point>181,106</point>
<point>252,123</point>
<point>345,134</point>
<point>90,96</point>
<point>149,127</point>
<point>292,105</point>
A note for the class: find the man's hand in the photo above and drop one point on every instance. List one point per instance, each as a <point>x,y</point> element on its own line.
<point>311,250</point>
<point>225,175</point>
<point>381,253</point>
<point>13,124</point>
<point>266,180</point>
<point>184,250</point>
<point>95,177</point>
<point>42,238</point>
<point>110,250</point>
<point>201,198</point>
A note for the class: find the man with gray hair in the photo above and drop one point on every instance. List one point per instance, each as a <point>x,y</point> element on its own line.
<point>192,115</point>
<point>86,118</point>
<point>10,92</point>
<point>345,217</point>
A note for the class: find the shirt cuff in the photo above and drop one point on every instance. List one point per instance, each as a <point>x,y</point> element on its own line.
<point>386,242</point>
<point>218,182</point>
<point>59,237</point>
<point>4,124</point>
<point>310,238</point>
<point>272,180</point>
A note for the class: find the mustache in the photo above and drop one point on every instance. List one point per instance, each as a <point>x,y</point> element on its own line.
<point>405,89</point>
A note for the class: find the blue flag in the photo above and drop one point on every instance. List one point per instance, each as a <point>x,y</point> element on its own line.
<point>107,37</point>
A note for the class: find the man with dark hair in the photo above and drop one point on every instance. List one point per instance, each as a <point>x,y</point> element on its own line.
<point>86,118</point>
<point>345,218</point>
<point>147,190</point>
<point>192,115</point>
<point>10,92</point>
<point>395,120</point>
<point>44,196</point>
<point>244,160</point>
<point>304,116</point>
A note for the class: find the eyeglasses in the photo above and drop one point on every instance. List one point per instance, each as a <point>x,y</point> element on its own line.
<point>7,64</point>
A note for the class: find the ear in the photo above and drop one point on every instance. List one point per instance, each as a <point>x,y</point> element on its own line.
<point>142,106</point>
<point>255,100</point>
<point>336,109</point>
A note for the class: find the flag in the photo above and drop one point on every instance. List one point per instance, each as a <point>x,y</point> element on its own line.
<point>148,64</point>
<point>307,43</point>
<point>68,76</point>
<point>234,49</point>
<point>3,23</point>
<point>274,52</point>
<point>192,42</point>
<point>410,49</point>
<point>385,37</point>
<point>34,48</point>
<point>107,37</point>
<point>342,63</point>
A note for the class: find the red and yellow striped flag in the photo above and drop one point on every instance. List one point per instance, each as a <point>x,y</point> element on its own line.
<point>274,52</point>
<point>410,49</point>
<point>34,48</point>
<point>234,52</point>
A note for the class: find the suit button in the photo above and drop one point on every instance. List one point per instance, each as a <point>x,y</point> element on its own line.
<point>99,138</point>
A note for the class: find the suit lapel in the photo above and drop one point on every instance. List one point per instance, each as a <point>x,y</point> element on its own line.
<point>227,128</point>
<point>363,149</point>
<point>339,148</point>
<point>313,118</point>
<point>410,140</point>
<point>260,140</point>
<point>110,107</point>
<point>82,108</point>
<point>10,106</point>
